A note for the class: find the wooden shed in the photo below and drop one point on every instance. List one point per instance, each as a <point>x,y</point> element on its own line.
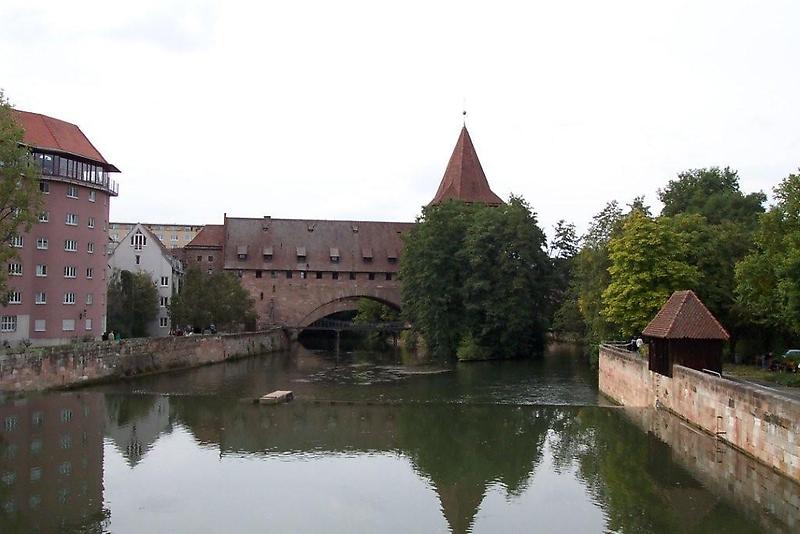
<point>684,332</point>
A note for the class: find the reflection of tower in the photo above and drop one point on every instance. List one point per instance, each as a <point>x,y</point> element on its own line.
<point>135,422</point>
<point>51,463</point>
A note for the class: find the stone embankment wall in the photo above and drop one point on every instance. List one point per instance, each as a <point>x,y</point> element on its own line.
<point>71,365</point>
<point>757,421</point>
<point>743,482</point>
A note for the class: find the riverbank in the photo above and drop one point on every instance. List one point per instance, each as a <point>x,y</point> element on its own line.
<point>80,364</point>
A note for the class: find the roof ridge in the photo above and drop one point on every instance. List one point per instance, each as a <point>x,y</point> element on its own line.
<point>680,306</point>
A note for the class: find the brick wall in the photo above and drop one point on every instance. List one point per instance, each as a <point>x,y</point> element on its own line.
<point>69,365</point>
<point>757,421</point>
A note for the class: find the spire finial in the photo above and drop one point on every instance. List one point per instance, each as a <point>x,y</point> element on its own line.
<point>464,112</point>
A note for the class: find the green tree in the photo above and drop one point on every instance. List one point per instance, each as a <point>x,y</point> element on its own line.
<point>768,279</point>
<point>20,198</point>
<point>132,303</point>
<point>216,298</point>
<point>647,264</point>
<point>476,279</point>
<point>713,193</point>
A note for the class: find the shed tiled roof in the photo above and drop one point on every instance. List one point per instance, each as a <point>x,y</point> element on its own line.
<point>210,236</point>
<point>56,135</point>
<point>684,316</point>
<point>318,240</point>
<point>464,178</point>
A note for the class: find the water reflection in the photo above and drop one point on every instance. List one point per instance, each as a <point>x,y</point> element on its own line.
<point>419,452</point>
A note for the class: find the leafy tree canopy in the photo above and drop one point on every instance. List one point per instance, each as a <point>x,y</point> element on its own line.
<point>216,298</point>
<point>713,193</point>
<point>132,303</point>
<point>20,198</point>
<point>478,278</point>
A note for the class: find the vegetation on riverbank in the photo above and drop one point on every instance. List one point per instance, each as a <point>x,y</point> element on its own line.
<point>757,374</point>
<point>477,281</point>
<point>743,262</point>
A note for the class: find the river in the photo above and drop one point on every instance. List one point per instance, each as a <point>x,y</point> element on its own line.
<point>373,442</point>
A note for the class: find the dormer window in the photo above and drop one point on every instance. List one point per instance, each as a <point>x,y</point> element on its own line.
<point>267,253</point>
<point>241,252</point>
<point>366,254</point>
<point>391,256</point>
<point>138,240</point>
<point>301,253</point>
<point>334,255</point>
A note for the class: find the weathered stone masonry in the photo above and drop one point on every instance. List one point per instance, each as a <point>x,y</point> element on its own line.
<point>761,423</point>
<point>72,365</point>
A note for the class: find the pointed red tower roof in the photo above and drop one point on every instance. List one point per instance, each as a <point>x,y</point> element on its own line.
<point>464,178</point>
<point>684,316</point>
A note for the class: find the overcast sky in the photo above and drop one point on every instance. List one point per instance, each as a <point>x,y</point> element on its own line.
<point>350,110</point>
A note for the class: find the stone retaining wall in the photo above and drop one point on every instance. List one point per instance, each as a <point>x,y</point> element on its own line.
<point>757,421</point>
<point>71,365</point>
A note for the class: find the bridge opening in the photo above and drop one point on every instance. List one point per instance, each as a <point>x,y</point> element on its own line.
<point>360,323</point>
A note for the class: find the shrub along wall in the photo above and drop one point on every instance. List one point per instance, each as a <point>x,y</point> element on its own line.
<point>71,365</point>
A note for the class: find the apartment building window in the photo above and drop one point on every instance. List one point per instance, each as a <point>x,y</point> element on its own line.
<point>14,297</point>
<point>8,323</point>
<point>72,191</point>
<point>164,302</point>
<point>41,243</point>
<point>165,281</point>
<point>70,271</point>
<point>90,248</point>
<point>41,298</point>
<point>67,325</point>
<point>69,298</point>
<point>163,322</point>
<point>138,259</point>
<point>90,273</point>
<point>175,237</point>
<point>15,269</point>
<point>87,324</point>
<point>71,219</point>
<point>138,240</point>
<point>44,187</point>
<point>92,195</point>
<point>41,271</point>
<point>39,325</point>
<point>44,217</point>
<point>17,241</point>
<point>89,298</point>
<point>90,222</point>
<point>70,245</point>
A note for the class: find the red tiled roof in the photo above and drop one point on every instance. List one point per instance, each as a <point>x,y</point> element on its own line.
<point>210,236</point>
<point>464,178</point>
<point>281,239</point>
<point>684,316</point>
<point>48,133</point>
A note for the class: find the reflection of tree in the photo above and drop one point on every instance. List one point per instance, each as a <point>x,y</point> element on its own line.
<point>464,449</point>
<point>632,476</point>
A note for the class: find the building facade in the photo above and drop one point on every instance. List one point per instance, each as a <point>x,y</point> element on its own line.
<point>57,282</point>
<point>171,235</point>
<point>141,251</point>
<point>298,270</point>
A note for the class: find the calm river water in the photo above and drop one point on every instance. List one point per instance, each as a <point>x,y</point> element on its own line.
<point>372,443</point>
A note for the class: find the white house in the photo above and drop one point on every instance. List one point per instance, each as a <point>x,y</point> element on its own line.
<point>141,251</point>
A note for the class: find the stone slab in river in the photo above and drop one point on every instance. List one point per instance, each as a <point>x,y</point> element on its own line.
<point>276,397</point>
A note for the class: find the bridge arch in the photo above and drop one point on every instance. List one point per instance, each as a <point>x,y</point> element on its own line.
<point>346,303</point>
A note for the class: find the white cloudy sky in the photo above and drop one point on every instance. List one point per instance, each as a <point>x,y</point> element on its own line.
<point>339,109</point>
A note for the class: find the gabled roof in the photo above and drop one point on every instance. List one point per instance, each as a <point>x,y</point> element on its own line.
<point>464,178</point>
<point>47,133</point>
<point>684,316</point>
<point>209,236</point>
<point>165,252</point>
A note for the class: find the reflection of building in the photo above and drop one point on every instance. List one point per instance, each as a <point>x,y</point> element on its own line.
<point>135,422</point>
<point>141,251</point>
<point>57,281</point>
<point>171,235</point>
<point>51,462</point>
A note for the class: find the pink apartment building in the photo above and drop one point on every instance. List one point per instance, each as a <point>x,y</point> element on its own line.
<point>57,283</point>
